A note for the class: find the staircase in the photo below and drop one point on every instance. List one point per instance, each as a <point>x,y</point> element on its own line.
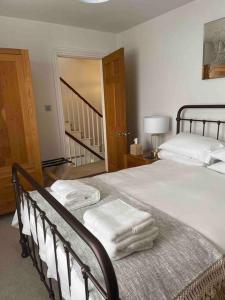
<point>84,135</point>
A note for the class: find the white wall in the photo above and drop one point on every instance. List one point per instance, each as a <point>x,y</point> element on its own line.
<point>43,40</point>
<point>84,75</point>
<point>164,63</point>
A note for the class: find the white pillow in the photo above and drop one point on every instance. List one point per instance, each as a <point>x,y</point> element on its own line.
<point>164,154</point>
<point>219,154</point>
<point>218,167</point>
<point>193,145</point>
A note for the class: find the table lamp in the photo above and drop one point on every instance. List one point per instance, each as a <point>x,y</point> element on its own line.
<point>156,126</point>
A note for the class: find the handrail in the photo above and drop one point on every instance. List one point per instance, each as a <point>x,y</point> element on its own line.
<point>84,145</point>
<point>93,243</point>
<point>81,97</point>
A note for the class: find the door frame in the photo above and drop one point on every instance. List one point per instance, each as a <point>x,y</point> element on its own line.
<point>75,53</point>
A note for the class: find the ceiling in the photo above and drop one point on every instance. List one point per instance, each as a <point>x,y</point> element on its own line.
<point>114,16</point>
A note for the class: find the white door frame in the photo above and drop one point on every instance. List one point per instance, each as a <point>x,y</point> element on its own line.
<point>74,53</point>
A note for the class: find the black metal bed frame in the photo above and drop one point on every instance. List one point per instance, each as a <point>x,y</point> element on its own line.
<point>110,291</point>
<point>203,121</point>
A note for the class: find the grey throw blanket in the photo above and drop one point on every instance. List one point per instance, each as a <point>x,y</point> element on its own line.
<point>180,255</point>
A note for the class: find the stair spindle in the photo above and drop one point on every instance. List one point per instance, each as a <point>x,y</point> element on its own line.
<point>73,113</point>
<point>98,135</point>
<point>84,123</point>
<point>88,121</point>
<point>78,114</point>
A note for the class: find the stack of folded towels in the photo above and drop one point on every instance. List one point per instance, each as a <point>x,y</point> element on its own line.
<point>74,194</point>
<point>121,228</point>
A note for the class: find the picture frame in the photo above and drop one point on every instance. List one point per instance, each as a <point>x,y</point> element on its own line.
<point>214,50</point>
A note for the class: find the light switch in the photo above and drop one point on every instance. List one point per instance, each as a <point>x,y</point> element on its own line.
<point>48,107</point>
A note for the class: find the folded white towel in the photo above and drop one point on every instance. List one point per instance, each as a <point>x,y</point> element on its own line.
<point>117,220</point>
<point>151,233</point>
<point>70,189</point>
<point>143,245</point>
<point>138,242</point>
<point>75,203</point>
<point>74,194</point>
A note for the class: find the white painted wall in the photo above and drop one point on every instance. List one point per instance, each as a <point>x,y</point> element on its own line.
<point>164,63</point>
<point>43,40</point>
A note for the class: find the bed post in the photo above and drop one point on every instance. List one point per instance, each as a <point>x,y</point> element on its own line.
<point>16,185</point>
<point>178,117</point>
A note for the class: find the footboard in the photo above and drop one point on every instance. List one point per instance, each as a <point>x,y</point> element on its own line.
<point>30,248</point>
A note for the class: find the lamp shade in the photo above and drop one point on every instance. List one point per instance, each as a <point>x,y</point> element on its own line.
<point>156,124</point>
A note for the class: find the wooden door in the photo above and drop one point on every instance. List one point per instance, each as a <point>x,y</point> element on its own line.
<point>18,130</point>
<point>115,108</point>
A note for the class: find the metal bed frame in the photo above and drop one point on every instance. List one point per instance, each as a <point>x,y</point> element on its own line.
<point>203,121</point>
<point>110,291</point>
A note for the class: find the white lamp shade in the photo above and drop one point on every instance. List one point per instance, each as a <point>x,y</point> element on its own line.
<point>156,124</point>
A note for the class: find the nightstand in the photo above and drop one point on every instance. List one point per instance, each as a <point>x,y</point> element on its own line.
<point>131,161</point>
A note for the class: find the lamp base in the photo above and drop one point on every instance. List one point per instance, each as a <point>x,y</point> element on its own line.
<point>151,155</point>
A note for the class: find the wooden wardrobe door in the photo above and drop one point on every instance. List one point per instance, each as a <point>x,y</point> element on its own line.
<point>115,108</point>
<point>18,131</point>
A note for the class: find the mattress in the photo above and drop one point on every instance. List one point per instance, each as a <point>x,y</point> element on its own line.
<point>193,195</point>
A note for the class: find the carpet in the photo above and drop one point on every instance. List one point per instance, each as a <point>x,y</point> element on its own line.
<point>19,280</point>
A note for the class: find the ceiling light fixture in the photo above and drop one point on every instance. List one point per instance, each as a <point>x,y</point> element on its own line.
<point>94,1</point>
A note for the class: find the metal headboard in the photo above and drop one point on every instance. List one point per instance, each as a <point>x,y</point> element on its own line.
<point>203,121</point>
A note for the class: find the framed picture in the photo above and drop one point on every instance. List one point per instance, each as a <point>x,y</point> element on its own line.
<point>214,50</point>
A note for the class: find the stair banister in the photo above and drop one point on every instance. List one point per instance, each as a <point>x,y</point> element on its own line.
<point>83,125</point>
<point>83,145</point>
<point>81,97</point>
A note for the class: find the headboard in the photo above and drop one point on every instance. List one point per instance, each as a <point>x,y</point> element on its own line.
<point>204,121</point>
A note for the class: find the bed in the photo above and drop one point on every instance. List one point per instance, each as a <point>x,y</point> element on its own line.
<point>187,261</point>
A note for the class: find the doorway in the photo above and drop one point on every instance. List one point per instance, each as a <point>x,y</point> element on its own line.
<point>92,114</point>
<point>82,105</point>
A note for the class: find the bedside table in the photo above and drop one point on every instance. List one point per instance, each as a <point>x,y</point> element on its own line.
<point>131,161</point>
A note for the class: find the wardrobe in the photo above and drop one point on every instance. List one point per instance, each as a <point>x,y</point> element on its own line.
<point>18,128</point>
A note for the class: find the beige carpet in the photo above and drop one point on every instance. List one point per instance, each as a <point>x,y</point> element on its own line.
<point>18,278</point>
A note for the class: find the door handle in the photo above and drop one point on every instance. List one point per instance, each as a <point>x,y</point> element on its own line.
<point>117,133</point>
<point>126,133</point>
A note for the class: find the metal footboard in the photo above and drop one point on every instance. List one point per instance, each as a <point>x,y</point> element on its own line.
<point>30,248</point>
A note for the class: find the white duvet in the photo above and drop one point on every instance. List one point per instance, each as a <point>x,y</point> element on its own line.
<point>193,195</point>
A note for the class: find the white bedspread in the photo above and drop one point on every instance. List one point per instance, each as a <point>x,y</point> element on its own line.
<point>193,195</point>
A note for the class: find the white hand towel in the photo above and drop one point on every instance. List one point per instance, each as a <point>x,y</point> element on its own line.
<point>136,238</point>
<point>120,250</point>
<point>76,203</point>
<point>70,189</point>
<point>143,226</point>
<point>116,220</point>
<point>151,233</point>
<point>74,194</point>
